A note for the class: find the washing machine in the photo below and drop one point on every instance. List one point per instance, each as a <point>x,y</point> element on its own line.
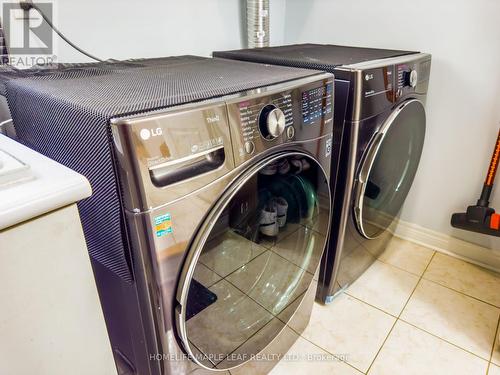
<point>379,135</point>
<point>211,201</point>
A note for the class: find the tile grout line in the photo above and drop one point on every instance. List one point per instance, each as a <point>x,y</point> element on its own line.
<point>444,340</point>
<point>417,327</point>
<point>453,290</point>
<point>401,268</point>
<point>441,338</point>
<point>319,347</point>
<point>460,292</point>
<point>436,282</point>
<point>393,316</point>
<point>400,313</point>
<point>421,277</point>
<point>493,347</point>
<point>451,256</point>
<point>327,351</point>
<point>369,304</point>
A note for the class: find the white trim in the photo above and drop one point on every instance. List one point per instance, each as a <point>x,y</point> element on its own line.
<point>449,245</point>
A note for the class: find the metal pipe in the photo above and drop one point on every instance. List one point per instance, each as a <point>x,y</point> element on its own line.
<point>258,23</point>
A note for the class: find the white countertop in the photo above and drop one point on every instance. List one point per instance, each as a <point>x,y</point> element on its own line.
<point>32,184</point>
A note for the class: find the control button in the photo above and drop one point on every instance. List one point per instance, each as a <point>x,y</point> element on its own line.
<point>272,122</point>
<point>410,78</point>
<point>249,147</point>
<point>290,132</point>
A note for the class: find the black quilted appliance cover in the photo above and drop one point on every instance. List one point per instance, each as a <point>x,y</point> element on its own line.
<point>325,57</point>
<point>64,113</point>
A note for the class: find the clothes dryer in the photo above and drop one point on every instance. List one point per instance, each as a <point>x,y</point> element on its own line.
<point>378,140</point>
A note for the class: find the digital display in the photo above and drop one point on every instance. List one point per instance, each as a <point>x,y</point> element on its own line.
<point>316,103</point>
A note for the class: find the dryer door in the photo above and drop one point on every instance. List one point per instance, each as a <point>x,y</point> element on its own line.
<point>253,259</point>
<point>388,169</point>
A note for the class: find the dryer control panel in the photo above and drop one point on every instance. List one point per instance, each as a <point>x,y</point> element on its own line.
<point>382,85</point>
<point>410,75</point>
<point>264,118</point>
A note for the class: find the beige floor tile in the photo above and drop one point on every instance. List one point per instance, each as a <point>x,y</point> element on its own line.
<point>494,370</point>
<point>467,278</point>
<point>385,287</point>
<point>226,324</point>
<point>205,275</point>
<point>229,252</point>
<point>306,358</point>
<point>455,317</point>
<point>304,248</point>
<point>496,351</point>
<point>411,351</point>
<point>407,255</point>
<point>351,328</point>
<point>272,281</point>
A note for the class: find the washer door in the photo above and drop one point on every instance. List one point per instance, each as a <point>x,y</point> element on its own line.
<point>253,259</point>
<point>388,169</point>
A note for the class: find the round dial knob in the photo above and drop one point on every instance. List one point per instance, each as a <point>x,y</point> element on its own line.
<point>272,122</point>
<point>411,78</point>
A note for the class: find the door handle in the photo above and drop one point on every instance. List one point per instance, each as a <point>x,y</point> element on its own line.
<point>188,167</point>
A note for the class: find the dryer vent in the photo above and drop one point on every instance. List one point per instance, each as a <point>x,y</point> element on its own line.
<point>258,23</point>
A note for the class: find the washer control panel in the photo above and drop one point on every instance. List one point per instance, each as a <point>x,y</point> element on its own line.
<point>268,121</point>
<point>272,122</point>
<point>317,103</point>
<point>268,117</point>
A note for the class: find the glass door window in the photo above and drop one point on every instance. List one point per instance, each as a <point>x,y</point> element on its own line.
<point>389,168</point>
<point>257,262</point>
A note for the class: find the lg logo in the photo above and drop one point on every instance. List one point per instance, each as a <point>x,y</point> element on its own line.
<point>148,133</point>
<point>368,77</point>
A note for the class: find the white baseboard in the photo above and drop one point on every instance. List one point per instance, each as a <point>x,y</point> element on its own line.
<point>470,252</point>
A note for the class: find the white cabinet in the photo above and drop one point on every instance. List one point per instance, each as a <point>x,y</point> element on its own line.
<point>51,320</point>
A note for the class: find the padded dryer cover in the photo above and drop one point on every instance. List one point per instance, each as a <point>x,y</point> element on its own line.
<point>324,57</point>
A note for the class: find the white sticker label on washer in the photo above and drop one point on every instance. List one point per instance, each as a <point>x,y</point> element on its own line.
<point>328,147</point>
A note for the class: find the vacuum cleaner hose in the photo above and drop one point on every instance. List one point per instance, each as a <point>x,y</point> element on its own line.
<point>494,163</point>
<point>490,177</point>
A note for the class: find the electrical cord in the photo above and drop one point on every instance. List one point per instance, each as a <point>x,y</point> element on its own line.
<point>28,4</point>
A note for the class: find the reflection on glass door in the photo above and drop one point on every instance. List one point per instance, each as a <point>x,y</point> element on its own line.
<point>390,169</point>
<point>258,262</point>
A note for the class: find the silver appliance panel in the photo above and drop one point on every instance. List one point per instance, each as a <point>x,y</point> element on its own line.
<point>165,155</point>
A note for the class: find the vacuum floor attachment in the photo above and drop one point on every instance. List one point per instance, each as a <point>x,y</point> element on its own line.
<point>481,218</point>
